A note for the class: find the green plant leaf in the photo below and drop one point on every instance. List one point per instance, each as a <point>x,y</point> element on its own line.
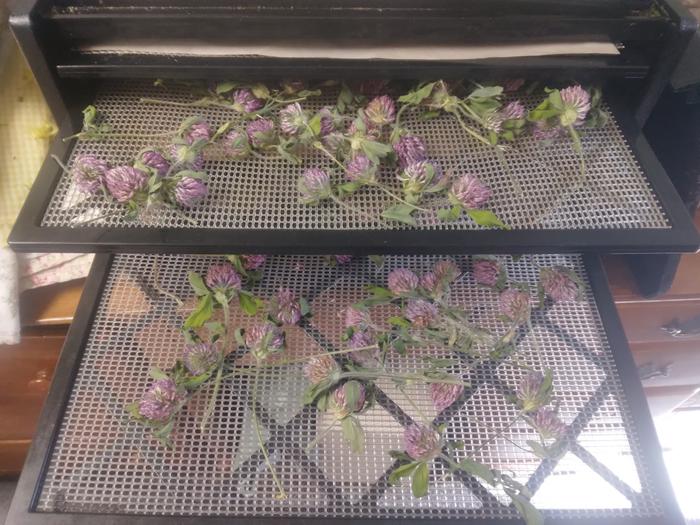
<point>417,96</point>
<point>401,213</point>
<point>486,92</point>
<point>378,260</point>
<point>419,480</point>
<point>197,284</point>
<point>399,321</point>
<point>449,214</point>
<point>380,292</point>
<point>202,313</point>
<point>225,87</point>
<point>527,510</point>
<point>402,471</point>
<point>353,434</point>
<point>400,455</point>
<point>477,469</point>
<point>157,373</point>
<point>304,307</point>
<point>260,91</point>
<point>248,304</point>
<point>487,219</point>
<point>345,98</point>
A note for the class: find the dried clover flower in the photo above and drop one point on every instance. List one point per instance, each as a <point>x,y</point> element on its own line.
<point>334,141</point>
<point>430,283</point>
<point>160,401</point>
<point>197,132</point>
<point>124,182</point>
<point>513,111</point>
<point>200,358</point>
<point>361,169</point>
<point>421,313</point>
<point>577,104</point>
<point>513,84</point>
<point>361,341</point>
<point>372,87</point>
<point>560,284</point>
<point>342,259</point>
<point>469,192</point>
<point>547,423</point>
<point>487,271</point>
<point>314,186</point>
<point>531,394</point>
<point>88,173</point>
<point>190,191</point>
<point>544,132</point>
<point>446,271</point>
<point>223,278</point>
<point>361,130</point>
<point>253,262</point>
<point>245,102</point>
<point>261,132</point>
<point>357,318</point>
<point>515,305</point>
<point>235,145</point>
<point>293,119</point>
<point>321,369</point>
<point>422,176</point>
<point>410,149</point>
<point>444,394</point>
<point>185,156</point>
<point>402,281</point>
<point>421,443</point>
<point>155,160</point>
<point>381,110</point>
<point>346,403</point>
<point>264,339</point>
<point>329,120</point>
<point>285,307</point>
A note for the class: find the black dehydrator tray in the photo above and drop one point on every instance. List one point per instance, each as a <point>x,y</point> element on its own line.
<point>627,203</point>
<point>89,463</point>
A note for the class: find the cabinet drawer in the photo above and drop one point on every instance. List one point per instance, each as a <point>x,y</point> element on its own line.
<point>661,322</point>
<point>89,458</point>
<point>668,364</point>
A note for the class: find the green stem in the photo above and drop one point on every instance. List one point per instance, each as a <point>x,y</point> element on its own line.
<point>472,131</point>
<point>157,287</point>
<point>351,208</point>
<point>322,435</point>
<point>498,434</point>
<point>415,407</point>
<point>196,104</point>
<point>535,342</point>
<point>408,377</point>
<point>219,372</point>
<point>396,197</point>
<point>281,494</point>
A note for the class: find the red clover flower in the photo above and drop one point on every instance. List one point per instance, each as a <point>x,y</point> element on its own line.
<point>470,192</point>
<point>410,149</point>
<point>547,423</point>
<point>515,305</point>
<point>421,442</point>
<point>381,110</point>
<point>197,132</point>
<point>444,394</point>
<point>421,313</point>
<point>223,278</point>
<point>314,186</point>
<point>530,393</point>
<point>160,400</point>
<point>235,145</point>
<point>155,160</point>
<point>261,132</point>
<point>253,262</point>
<point>190,191</point>
<point>264,339</point>
<point>88,173</point>
<point>361,169</point>
<point>293,119</point>
<point>577,104</point>
<point>559,284</point>
<point>245,102</point>
<point>321,369</point>
<point>402,281</point>
<point>487,271</point>
<point>200,358</point>
<point>124,183</point>
<point>185,156</point>
<point>346,406</point>
<point>285,307</point>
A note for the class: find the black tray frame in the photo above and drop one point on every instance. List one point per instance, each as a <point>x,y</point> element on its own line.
<point>29,486</point>
<point>29,236</point>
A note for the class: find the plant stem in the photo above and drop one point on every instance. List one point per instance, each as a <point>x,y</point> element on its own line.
<point>472,131</point>
<point>415,407</point>
<point>281,494</point>
<point>322,435</point>
<point>396,197</point>
<point>159,289</point>
<point>219,372</point>
<point>351,208</point>
<point>498,434</point>
<point>408,377</point>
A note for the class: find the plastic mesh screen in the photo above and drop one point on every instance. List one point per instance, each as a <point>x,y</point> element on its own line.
<point>536,187</point>
<point>103,462</point>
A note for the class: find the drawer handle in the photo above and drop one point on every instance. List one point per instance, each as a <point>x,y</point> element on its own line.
<point>650,371</point>
<point>680,329</point>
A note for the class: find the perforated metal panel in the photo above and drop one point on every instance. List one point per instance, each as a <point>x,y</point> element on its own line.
<point>102,462</point>
<point>537,187</point>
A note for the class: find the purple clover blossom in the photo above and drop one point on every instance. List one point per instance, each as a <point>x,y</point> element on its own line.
<point>421,443</point>
<point>559,284</point>
<point>155,160</point>
<point>88,173</point>
<point>314,186</point>
<point>446,271</point>
<point>372,87</point>
<point>422,176</point>
<point>235,145</point>
<point>361,169</point>
<point>285,307</point>
<point>293,119</point>
<point>430,283</point>
<point>547,423</point>
<point>530,392</point>
<point>357,318</point>
<point>410,149</point>
<point>342,259</point>
<point>261,132</point>
<point>494,121</point>
<point>512,85</point>
<point>124,183</point>
<point>421,313</point>
<point>190,191</point>
<point>185,156</point>
<point>444,394</point>
<point>334,141</point>
<point>223,278</point>
<point>361,341</point>
<point>577,104</point>
<point>469,192</point>
<point>328,121</point>
<point>513,111</point>
<point>245,102</point>
<point>357,135</point>
<point>321,369</point>
<point>160,400</point>
<point>402,281</point>
<point>264,339</point>
<point>253,262</point>
<point>344,405</point>
<point>544,132</point>
<point>487,271</point>
<point>200,358</point>
<point>197,132</point>
<point>381,110</point>
<point>515,305</point>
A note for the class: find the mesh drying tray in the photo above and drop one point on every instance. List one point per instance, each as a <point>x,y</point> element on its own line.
<point>89,458</point>
<point>626,200</point>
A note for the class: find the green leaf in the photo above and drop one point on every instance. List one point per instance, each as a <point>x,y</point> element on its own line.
<point>401,213</point>
<point>202,313</point>
<point>197,284</point>
<point>304,307</point>
<point>538,449</point>
<point>375,150</point>
<point>215,328</point>
<point>378,260</point>
<point>402,471</point>
<point>379,292</point>
<point>225,87</point>
<point>238,336</point>
<point>260,91</point>
<point>400,455</point>
<point>353,434</point>
<point>157,373</point>
<point>527,510</point>
<point>399,321</point>
<point>348,188</point>
<point>221,298</point>
<point>486,92</point>
<point>345,98</point>
<point>478,469</point>
<point>248,304</point>
<point>352,393</point>
<point>449,214</point>
<point>429,115</point>
<point>417,96</point>
<point>315,124</point>
<point>487,219</point>
<point>419,480</point>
